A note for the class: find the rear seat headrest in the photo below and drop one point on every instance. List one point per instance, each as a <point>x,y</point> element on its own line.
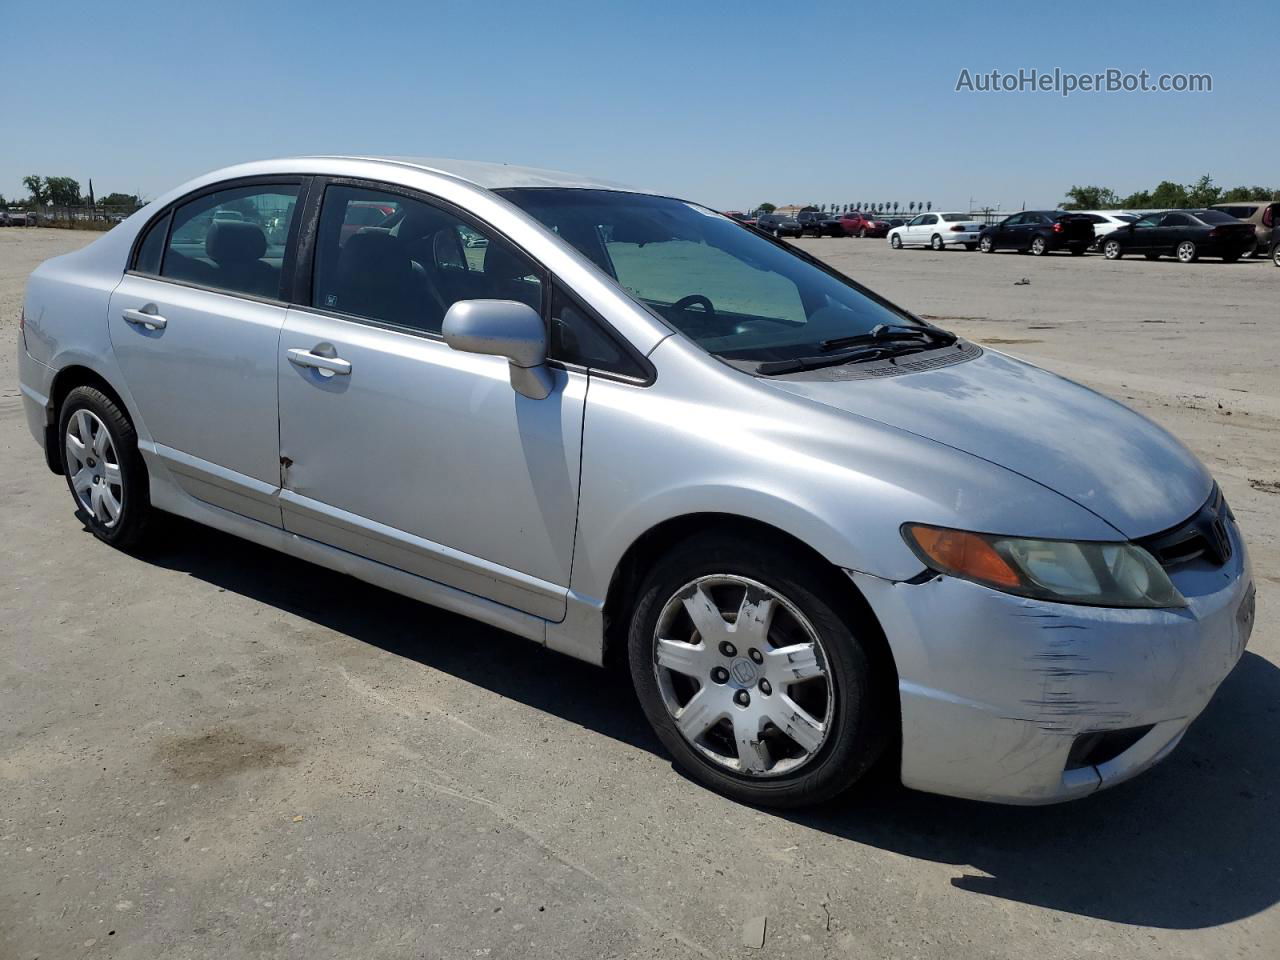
<point>234,241</point>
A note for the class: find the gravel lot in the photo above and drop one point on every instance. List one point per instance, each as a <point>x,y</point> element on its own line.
<point>221,752</point>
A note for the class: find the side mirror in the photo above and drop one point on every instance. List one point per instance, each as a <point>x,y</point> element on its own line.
<point>503,328</point>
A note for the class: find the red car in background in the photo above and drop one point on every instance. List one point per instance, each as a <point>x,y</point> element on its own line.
<point>858,224</point>
<point>741,217</point>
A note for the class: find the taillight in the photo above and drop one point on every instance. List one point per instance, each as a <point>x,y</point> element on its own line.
<point>957,229</point>
<point>1057,228</point>
<point>1214,233</point>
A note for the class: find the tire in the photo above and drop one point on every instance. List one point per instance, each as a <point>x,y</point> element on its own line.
<point>1112,250</point>
<point>986,245</point>
<point>92,430</point>
<point>1254,249</point>
<point>1275,254</point>
<point>719,573</point>
<point>1039,246</point>
<point>896,242</point>
<point>1186,252</point>
<point>971,246</point>
<point>935,243</point>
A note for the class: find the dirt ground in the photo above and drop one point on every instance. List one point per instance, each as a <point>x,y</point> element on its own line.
<point>216,751</point>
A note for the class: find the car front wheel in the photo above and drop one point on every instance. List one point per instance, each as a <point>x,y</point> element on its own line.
<point>896,242</point>
<point>104,470</point>
<point>1112,250</point>
<point>751,670</point>
<point>986,245</point>
<point>1275,254</point>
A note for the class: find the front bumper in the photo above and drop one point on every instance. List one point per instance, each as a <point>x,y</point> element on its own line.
<point>995,689</point>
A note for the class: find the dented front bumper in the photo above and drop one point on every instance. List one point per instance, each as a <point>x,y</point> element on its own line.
<point>995,689</point>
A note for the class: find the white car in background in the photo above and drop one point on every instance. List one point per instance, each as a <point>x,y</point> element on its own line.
<point>1106,221</point>
<point>938,231</point>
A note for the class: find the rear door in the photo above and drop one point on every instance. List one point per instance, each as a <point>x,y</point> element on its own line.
<point>402,450</point>
<point>195,326</point>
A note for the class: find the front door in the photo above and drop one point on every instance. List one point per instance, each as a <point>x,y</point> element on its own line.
<point>195,326</point>
<point>404,451</point>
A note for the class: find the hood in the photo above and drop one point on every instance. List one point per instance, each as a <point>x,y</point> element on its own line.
<point>1112,461</point>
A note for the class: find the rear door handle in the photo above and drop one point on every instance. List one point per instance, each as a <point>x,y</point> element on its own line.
<point>146,317</point>
<point>305,358</point>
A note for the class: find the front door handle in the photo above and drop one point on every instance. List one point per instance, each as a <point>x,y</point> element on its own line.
<point>146,317</point>
<point>305,358</point>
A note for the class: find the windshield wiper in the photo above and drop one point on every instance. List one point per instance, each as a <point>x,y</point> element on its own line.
<point>882,332</point>
<point>892,349</point>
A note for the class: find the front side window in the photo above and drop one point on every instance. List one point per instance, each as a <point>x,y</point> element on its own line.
<point>412,262</point>
<point>232,240</point>
<point>737,294</point>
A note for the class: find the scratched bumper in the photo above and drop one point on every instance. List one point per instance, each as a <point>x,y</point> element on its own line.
<point>995,689</point>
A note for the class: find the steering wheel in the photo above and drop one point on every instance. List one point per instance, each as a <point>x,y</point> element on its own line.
<point>684,303</point>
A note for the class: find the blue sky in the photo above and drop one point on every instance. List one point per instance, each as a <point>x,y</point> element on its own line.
<point>732,104</point>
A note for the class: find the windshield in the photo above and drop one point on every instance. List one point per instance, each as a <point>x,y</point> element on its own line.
<point>734,292</point>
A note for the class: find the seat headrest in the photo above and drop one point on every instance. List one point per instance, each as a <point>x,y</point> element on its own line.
<point>234,241</point>
<point>372,249</point>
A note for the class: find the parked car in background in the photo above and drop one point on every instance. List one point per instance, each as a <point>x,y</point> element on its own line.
<point>818,224</point>
<point>1261,214</point>
<point>1039,232</point>
<point>938,231</point>
<point>1187,235</point>
<point>741,217</point>
<point>859,224</point>
<point>779,225</point>
<point>891,222</point>
<point>1105,221</point>
<point>1275,248</point>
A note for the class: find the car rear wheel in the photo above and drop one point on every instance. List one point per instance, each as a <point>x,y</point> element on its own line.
<point>986,245</point>
<point>936,242</point>
<point>104,470</point>
<point>862,234</point>
<point>1187,252</point>
<point>752,676</point>
<point>1039,246</point>
<point>1112,250</point>
<point>896,242</point>
<point>1275,254</point>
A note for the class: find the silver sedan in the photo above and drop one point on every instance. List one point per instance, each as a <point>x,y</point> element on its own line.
<point>821,532</point>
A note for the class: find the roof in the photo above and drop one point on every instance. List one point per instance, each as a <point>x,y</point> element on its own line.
<point>497,176</point>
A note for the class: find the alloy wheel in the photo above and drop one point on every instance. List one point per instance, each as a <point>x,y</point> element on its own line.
<point>1186,251</point>
<point>986,245</point>
<point>744,675</point>
<point>1038,246</point>
<point>94,468</point>
<point>1112,250</point>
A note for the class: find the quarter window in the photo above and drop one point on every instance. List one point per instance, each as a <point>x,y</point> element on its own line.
<point>232,240</point>
<point>413,263</point>
<point>151,248</point>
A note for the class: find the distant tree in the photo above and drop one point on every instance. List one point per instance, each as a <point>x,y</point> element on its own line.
<point>810,208</point>
<point>1169,194</point>
<point>1139,200</point>
<point>62,191</point>
<point>766,208</point>
<point>928,205</point>
<point>3,202</point>
<point>1203,193</point>
<point>118,200</point>
<point>1237,193</point>
<point>911,207</point>
<point>1090,198</point>
<point>36,187</point>
<point>895,206</point>
<point>1264,193</point>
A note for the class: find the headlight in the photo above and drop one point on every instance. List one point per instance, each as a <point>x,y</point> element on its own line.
<point>1097,574</point>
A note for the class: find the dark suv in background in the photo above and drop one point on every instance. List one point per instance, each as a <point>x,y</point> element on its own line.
<point>779,225</point>
<point>1039,231</point>
<point>819,224</point>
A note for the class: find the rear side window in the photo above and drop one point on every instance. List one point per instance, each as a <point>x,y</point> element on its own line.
<point>1176,220</point>
<point>415,263</point>
<point>233,240</point>
<point>151,248</point>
